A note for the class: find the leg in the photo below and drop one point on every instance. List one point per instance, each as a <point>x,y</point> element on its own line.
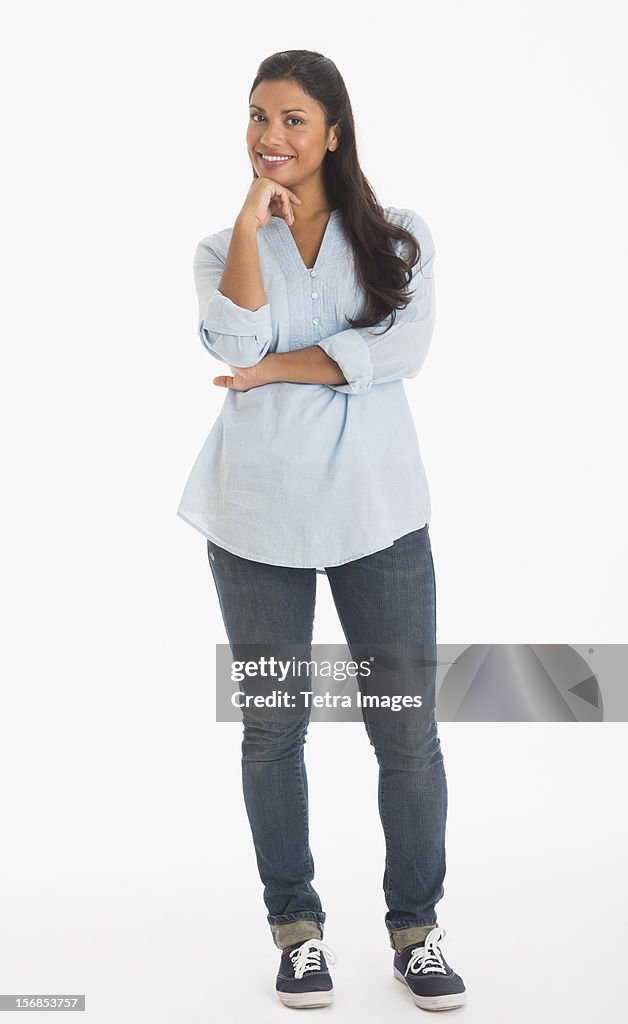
<point>266,606</point>
<point>389,599</point>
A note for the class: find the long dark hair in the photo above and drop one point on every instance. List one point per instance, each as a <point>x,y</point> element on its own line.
<point>383,273</point>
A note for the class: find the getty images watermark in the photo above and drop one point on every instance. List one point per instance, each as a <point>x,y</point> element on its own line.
<point>340,671</point>
<point>457,682</point>
<point>328,681</point>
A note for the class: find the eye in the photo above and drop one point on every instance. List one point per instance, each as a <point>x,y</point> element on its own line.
<point>254,115</point>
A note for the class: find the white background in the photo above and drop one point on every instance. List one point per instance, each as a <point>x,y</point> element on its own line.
<point>127,869</point>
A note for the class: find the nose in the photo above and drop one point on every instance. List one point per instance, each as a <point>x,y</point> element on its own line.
<point>271,139</point>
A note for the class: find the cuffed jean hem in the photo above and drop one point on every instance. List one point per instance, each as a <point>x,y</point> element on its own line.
<point>287,929</point>
<point>404,934</point>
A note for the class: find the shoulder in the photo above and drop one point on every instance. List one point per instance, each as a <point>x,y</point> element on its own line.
<point>415,223</point>
<point>214,246</point>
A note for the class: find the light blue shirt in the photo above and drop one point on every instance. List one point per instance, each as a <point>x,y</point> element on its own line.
<point>311,475</point>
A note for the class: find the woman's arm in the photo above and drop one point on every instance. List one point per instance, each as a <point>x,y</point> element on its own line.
<point>309,365</point>
<point>241,279</point>
<point>368,358</point>
<point>300,366</point>
<point>234,334</point>
<point>241,282</point>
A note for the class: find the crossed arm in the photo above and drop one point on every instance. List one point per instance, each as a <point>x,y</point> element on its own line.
<point>309,365</point>
<point>351,361</point>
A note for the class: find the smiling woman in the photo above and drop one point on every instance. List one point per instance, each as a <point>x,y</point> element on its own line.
<point>306,139</point>
<point>322,302</point>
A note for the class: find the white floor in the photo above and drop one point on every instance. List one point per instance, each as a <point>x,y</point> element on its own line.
<point>157,913</point>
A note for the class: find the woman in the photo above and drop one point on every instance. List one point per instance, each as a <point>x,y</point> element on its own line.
<point>314,466</point>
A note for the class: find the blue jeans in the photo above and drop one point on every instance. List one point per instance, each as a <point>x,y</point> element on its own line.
<point>388,598</point>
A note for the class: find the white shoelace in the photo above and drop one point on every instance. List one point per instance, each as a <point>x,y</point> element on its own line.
<point>307,957</point>
<point>428,958</point>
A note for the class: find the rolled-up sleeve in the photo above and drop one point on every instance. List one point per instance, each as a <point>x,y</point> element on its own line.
<point>368,358</point>
<point>231,333</point>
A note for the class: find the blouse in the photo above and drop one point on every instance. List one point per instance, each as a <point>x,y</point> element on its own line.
<point>311,475</point>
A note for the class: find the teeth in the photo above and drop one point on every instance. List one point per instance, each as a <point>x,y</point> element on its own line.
<point>275,157</point>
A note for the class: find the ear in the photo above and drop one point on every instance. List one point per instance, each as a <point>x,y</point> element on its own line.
<point>334,137</point>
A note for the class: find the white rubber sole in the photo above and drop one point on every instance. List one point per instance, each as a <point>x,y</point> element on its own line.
<point>447,1002</point>
<point>303,1000</point>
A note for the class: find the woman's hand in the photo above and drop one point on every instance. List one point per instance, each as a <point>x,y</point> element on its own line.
<point>265,198</point>
<point>246,377</point>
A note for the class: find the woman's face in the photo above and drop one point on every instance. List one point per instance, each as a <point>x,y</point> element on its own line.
<point>285,121</point>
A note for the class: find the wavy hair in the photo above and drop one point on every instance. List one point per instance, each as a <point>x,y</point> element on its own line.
<point>383,273</point>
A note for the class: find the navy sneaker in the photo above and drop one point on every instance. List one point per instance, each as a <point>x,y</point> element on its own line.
<point>433,983</point>
<point>303,978</point>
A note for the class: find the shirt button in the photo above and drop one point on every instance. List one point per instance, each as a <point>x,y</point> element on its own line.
<point>314,295</point>
<point>315,320</point>
<point>313,273</point>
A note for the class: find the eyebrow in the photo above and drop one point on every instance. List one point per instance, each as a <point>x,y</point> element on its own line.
<point>283,111</point>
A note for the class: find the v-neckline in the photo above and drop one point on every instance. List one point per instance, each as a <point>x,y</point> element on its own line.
<point>292,247</point>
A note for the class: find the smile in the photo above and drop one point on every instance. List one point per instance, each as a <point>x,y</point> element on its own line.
<point>274,159</point>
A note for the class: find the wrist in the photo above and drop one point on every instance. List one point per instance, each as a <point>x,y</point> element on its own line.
<point>268,368</point>
<point>246,222</point>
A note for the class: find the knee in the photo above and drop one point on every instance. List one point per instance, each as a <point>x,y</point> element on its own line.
<point>272,739</point>
<point>399,751</point>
